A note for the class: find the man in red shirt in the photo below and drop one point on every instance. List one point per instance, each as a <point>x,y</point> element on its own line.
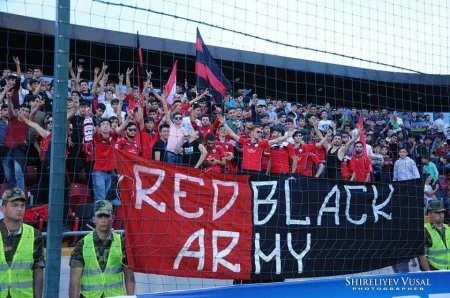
<point>149,136</point>
<point>229,149</point>
<point>282,156</point>
<point>104,158</point>
<point>360,165</point>
<point>252,147</point>
<point>128,142</point>
<point>215,160</point>
<point>306,157</point>
<point>206,126</point>
<point>16,146</point>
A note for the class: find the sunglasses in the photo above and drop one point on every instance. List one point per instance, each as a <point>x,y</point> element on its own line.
<point>178,118</point>
<point>49,122</point>
<point>131,129</point>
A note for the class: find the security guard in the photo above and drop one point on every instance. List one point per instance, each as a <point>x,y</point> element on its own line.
<point>437,239</point>
<point>98,262</point>
<point>21,250</point>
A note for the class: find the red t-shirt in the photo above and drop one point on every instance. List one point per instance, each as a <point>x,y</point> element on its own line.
<point>345,168</point>
<point>148,140</point>
<point>280,157</point>
<point>265,159</point>
<point>45,145</point>
<point>104,152</point>
<point>321,152</point>
<point>125,145</point>
<point>229,149</point>
<point>252,153</point>
<point>217,153</point>
<point>360,166</point>
<point>185,107</point>
<point>306,158</point>
<point>16,133</point>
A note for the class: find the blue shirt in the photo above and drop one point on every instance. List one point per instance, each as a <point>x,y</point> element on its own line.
<point>3,126</point>
<point>431,169</point>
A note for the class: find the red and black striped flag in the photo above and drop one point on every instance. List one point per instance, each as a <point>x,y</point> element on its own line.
<point>209,74</point>
<point>140,68</point>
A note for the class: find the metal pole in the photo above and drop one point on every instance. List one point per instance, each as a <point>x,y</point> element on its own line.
<point>58,150</point>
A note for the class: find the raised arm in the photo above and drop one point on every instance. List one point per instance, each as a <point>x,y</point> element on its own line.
<point>324,142</point>
<point>229,130</point>
<point>99,78</point>
<point>3,94</point>
<point>72,73</point>
<point>17,63</point>
<point>96,73</point>
<point>206,92</point>
<point>124,124</point>
<point>317,130</point>
<point>80,69</point>
<point>127,79</point>
<point>280,139</point>
<point>71,112</point>
<point>139,115</point>
<point>164,103</point>
<point>350,142</point>
<point>119,87</point>
<point>42,132</point>
<point>38,89</point>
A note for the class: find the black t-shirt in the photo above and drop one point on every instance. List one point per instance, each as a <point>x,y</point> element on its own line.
<point>160,146</point>
<point>191,153</point>
<point>77,129</point>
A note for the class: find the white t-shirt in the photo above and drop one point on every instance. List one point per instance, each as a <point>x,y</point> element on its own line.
<point>323,125</point>
<point>428,188</point>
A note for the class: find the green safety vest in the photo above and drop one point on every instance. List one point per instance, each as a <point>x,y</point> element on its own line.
<point>439,253</point>
<point>94,282</point>
<point>17,279</point>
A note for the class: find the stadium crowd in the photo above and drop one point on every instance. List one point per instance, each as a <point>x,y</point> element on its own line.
<point>244,133</point>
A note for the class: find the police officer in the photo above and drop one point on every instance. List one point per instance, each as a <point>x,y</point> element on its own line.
<point>437,239</point>
<point>21,250</point>
<point>98,265</point>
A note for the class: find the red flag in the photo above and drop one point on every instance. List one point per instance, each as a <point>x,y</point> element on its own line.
<point>140,68</point>
<point>171,85</point>
<point>182,222</point>
<point>362,136</point>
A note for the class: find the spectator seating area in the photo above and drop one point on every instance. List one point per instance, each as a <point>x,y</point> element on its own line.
<point>191,128</point>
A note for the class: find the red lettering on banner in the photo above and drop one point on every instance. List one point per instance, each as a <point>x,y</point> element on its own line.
<point>181,221</point>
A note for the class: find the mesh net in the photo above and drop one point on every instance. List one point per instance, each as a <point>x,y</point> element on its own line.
<point>364,73</point>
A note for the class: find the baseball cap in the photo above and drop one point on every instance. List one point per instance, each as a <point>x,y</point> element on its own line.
<point>436,206</point>
<point>13,194</point>
<point>103,207</point>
